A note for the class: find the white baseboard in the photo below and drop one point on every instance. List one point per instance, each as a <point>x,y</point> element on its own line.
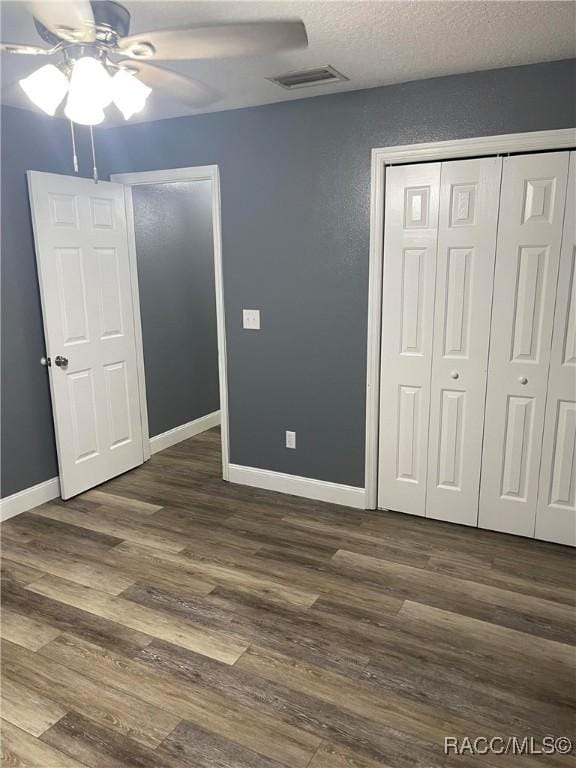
<point>29,498</point>
<point>347,495</point>
<point>43,492</point>
<point>184,431</point>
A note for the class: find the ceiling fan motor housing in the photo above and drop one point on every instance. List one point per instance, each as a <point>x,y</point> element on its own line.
<point>112,21</point>
<point>89,35</point>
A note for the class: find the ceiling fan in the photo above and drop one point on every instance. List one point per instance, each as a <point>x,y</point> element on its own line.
<point>100,63</point>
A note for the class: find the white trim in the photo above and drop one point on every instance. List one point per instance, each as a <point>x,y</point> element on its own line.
<point>415,153</point>
<point>166,175</point>
<point>43,492</point>
<point>140,370</point>
<point>374,324</point>
<point>29,498</point>
<point>502,144</point>
<point>319,490</point>
<point>184,431</point>
<point>209,173</point>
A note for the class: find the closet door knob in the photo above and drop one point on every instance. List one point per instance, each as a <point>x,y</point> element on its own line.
<point>523,380</point>
<point>454,375</point>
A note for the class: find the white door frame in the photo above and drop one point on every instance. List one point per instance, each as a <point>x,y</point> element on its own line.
<point>418,153</point>
<point>197,173</point>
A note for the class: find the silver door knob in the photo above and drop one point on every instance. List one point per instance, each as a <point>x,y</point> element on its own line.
<point>523,380</point>
<point>60,361</point>
<point>45,361</point>
<point>454,375</point>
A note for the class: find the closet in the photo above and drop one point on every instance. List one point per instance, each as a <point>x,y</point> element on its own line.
<point>478,350</point>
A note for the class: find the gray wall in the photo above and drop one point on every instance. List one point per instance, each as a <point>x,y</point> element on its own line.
<point>177,295</point>
<point>295,217</point>
<point>27,448</point>
<point>174,245</point>
<point>295,213</point>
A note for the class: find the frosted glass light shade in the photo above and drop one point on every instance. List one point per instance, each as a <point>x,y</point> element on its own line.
<point>90,91</point>
<point>91,83</point>
<point>83,111</point>
<point>46,88</point>
<point>128,93</point>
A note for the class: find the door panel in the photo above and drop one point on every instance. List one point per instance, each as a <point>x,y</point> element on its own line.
<point>408,304</point>
<point>456,329</point>
<point>529,235</point>
<point>85,285</point>
<point>110,293</point>
<point>408,420</point>
<point>83,413</point>
<point>469,193</point>
<point>72,293</point>
<point>118,403</point>
<point>518,446</point>
<point>556,512</point>
<point>450,459</point>
<point>532,272</point>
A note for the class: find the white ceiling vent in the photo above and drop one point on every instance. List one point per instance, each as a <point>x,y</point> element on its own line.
<point>304,78</point>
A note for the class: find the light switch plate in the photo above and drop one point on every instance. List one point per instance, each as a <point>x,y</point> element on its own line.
<point>251,319</point>
<point>290,439</point>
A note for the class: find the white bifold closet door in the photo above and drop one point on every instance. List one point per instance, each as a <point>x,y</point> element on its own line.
<point>439,246</point>
<point>556,509</point>
<point>469,194</point>
<point>410,238</point>
<point>532,208</point>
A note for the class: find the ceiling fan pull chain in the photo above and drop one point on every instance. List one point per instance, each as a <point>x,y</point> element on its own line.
<point>94,169</point>
<point>74,155</point>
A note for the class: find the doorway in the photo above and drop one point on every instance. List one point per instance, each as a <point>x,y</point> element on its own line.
<point>175,236</point>
<point>101,248</point>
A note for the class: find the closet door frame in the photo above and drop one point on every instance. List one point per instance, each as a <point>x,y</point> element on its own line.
<point>563,139</point>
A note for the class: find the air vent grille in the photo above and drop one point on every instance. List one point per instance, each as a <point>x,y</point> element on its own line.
<point>304,78</point>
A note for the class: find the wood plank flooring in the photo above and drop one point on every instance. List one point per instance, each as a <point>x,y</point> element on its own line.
<point>170,620</point>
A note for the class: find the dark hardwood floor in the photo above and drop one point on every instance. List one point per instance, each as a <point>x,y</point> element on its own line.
<point>170,620</point>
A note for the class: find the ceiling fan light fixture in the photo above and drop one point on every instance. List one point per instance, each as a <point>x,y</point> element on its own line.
<point>46,87</point>
<point>128,93</point>
<point>90,82</point>
<point>83,111</point>
<point>97,31</point>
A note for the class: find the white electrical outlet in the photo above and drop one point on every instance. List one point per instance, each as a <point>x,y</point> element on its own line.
<point>251,319</point>
<point>290,439</point>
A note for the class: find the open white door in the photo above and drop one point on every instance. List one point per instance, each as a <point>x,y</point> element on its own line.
<point>89,325</point>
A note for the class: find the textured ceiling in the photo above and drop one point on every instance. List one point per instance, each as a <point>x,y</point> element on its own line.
<point>372,43</point>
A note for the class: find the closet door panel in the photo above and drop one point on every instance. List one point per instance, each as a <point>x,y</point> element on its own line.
<point>469,193</point>
<point>556,512</point>
<point>411,221</point>
<point>529,235</point>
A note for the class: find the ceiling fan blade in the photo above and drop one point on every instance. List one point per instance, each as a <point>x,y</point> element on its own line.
<point>71,20</point>
<point>30,50</point>
<point>179,87</point>
<point>217,41</point>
